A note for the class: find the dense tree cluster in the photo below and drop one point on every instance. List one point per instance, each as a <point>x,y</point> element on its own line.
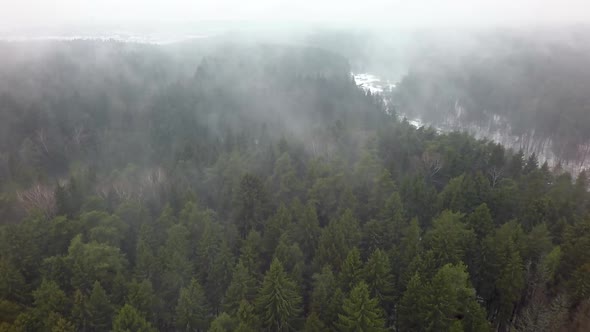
<point>268,193</point>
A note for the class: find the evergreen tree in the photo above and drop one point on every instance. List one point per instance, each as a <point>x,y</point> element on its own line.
<point>275,228</point>
<point>377,273</point>
<point>50,298</point>
<point>220,276</point>
<point>177,266</point>
<point>93,261</point>
<point>306,229</point>
<point>100,309</point>
<point>449,238</point>
<point>142,298</point>
<point>337,240</point>
<point>60,324</point>
<point>323,295</point>
<point>292,259</point>
<point>243,286</point>
<point>314,324</point>
<point>146,260</point>
<point>192,310</point>
<point>278,302</point>
<point>248,320</point>
<point>352,270</point>
<point>360,312</point>
<point>252,204</point>
<point>223,323</point>
<point>130,320</point>
<point>410,249</point>
<point>80,311</point>
<point>251,253</point>
<point>414,305</point>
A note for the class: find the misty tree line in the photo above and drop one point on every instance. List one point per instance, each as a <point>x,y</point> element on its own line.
<point>265,191</point>
<point>536,91</point>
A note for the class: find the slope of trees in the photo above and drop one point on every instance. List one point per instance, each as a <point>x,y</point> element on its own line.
<point>266,192</point>
<point>532,88</point>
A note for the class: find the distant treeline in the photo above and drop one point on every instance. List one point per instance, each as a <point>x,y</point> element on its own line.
<point>536,90</point>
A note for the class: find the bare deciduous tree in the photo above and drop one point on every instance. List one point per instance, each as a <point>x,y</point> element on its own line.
<point>38,198</point>
<point>495,174</point>
<point>42,139</point>
<point>431,164</point>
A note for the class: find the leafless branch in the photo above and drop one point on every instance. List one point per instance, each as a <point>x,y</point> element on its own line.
<point>38,198</point>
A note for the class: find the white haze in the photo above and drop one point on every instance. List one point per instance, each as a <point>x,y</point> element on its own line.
<point>18,15</point>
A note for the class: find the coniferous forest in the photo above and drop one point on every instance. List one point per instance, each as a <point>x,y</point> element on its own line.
<point>257,188</point>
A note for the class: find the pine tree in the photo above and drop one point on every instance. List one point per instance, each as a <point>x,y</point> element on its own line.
<point>532,164</point>
<point>93,261</point>
<point>223,323</point>
<point>352,270</point>
<point>130,320</point>
<point>100,309</point>
<point>360,312</point>
<point>324,289</point>
<point>177,266</point>
<point>248,320</point>
<point>284,179</point>
<point>275,228</point>
<point>306,229</point>
<point>449,238</point>
<point>337,240</point>
<point>220,276</point>
<point>146,261</point>
<point>251,253</point>
<point>291,256</point>
<point>480,221</point>
<point>192,311</point>
<point>413,306</point>
<point>207,248</point>
<point>313,323</point>
<point>80,311</point>
<point>410,248</point>
<point>242,287</point>
<point>377,273</point>
<point>142,298</point>
<point>62,325</point>
<point>393,217</point>
<point>453,298</point>
<point>49,298</point>
<point>278,302</point>
<point>251,204</point>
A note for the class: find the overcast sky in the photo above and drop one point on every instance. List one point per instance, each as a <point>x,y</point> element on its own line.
<point>18,14</point>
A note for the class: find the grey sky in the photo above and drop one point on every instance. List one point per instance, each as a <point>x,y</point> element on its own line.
<point>27,13</point>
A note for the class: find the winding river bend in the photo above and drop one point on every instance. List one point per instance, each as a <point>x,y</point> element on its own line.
<point>497,130</point>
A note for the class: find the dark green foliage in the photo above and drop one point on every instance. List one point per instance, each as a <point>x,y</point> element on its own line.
<point>278,301</point>
<point>314,324</point>
<point>100,309</point>
<point>243,286</point>
<point>351,272</point>
<point>223,323</point>
<point>263,191</point>
<point>360,312</point>
<point>444,303</point>
<point>130,320</point>
<point>142,298</point>
<point>449,238</point>
<point>326,297</point>
<point>337,239</point>
<point>251,204</point>
<point>192,310</point>
<point>379,278</point>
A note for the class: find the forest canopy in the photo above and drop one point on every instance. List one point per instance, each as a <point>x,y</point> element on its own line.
<point>263,190</point>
